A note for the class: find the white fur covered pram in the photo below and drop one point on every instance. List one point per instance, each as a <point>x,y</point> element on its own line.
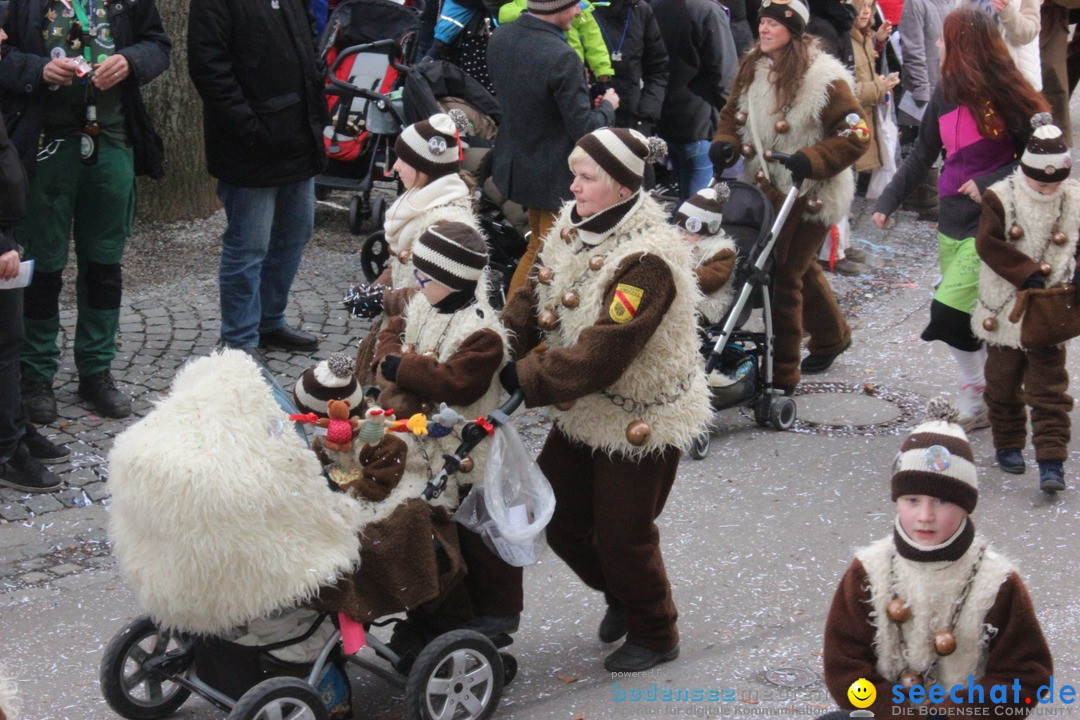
<point>220,512</point>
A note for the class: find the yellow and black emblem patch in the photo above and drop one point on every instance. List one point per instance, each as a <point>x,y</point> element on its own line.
<point>624,307</point>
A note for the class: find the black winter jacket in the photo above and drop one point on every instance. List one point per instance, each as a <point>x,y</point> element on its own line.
<point>540,84</point>
<point>831,22</point>
<point>140,37</point>
<point>703,62</point>
<point>256,69</point>
<point>641,75</point>
<point>13,190</point>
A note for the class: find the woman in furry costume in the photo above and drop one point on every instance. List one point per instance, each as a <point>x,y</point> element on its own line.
<point>792,97</point>
<point>429,164</point>
<point>614,301</point>
<point>979,115</point>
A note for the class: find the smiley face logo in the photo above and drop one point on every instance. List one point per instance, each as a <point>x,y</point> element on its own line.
<point>862,693</point>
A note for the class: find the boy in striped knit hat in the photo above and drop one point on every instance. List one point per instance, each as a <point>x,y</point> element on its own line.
<point>933,604</point>
<point>712,250</point>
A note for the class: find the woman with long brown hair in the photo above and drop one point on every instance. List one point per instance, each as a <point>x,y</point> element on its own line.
<point>979,114</point>
<point>792,97</point>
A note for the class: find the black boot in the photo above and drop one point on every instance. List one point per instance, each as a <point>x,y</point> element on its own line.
<point>613,626</point>
<point>39,402</point>
<point>100,390</point>
<point>42,449</point>
<point>26,474</point>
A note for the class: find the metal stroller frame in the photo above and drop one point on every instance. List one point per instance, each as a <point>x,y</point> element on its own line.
<point>770,405</point>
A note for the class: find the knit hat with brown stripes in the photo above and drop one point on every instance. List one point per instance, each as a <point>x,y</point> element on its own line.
<point>331,379</point>
<point>623,153</point>
<point>936,460</point>
<point>451,253</point>
<point>431,146</point>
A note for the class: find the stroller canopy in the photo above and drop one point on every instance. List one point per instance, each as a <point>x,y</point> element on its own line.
<point>432,80</point>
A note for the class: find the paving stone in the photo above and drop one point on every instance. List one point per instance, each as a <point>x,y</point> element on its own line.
<point>13,512</point>
<point>41,504</point>
<point>97,491</point>
<point>34,577</point>
<point>65,569</point>
<point>33,564</point>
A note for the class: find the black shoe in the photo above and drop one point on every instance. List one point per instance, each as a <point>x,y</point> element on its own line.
<point>42,450</point>
<point>613,626</point>
<point>494,625</point>
<point>1011,461</point>
<point>820,362</point>
<point>26,474</point>
<point>635,658</point>
<point>100,390</point>
<point>39,402</point>
<point>1051,476</point>
<point>288,338</point>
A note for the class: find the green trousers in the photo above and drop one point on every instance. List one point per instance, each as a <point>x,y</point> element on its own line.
<point>95,204</point>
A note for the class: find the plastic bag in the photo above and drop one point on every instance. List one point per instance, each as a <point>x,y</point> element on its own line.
<point>888,141</point>
<point>515,505</point>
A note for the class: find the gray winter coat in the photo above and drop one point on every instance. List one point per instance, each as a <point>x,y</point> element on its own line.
<point>920,27</point>
<point>540,84</point>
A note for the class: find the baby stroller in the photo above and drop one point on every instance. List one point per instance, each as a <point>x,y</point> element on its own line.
<point>368,45</point>
<point>434,86</point>
<point>739,363</point>
<point>149,672</point>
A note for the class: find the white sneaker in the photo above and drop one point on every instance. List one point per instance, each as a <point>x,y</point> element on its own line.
<point>975,421</point>
<point>973,412</point>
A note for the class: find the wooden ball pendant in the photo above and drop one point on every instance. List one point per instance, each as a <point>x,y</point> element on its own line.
<point>740,117</point>
<point>747,150</point>
<point>404,257</point>
<point>944,642</point>
<point>564,406</point>
<point>781,127</point>
<point>428,354</point>
<point>547,319</point>
<point>1016,232</point>
<point>1059,238</point>
<point>596,262</point>
<point>1045,269</point>
<point>990,324</point>
<point>545,275</point>
<point>814,204</point>
<point>570,299</point>
<point>568,235</point>
<point>898,610</point>
<point>760,176</point>
<point>909,679</point>
<point>425,407</point>
<point>407,348</point>
<point>466,465</point>
<point>637,432</point>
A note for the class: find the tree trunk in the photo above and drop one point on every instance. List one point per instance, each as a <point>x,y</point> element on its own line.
<point>187,190</point>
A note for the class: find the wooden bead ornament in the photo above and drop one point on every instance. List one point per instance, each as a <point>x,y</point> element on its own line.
<point>990,324</point>
<point>898,610</point>
<point>466,465</point>
<point>637,432</point>
<point>1045,269</point>
<point>740,117</point>
<point>760,176</point>
<point>545,275</point>
<point>1059,238</point>
<point>568,235</point>
<point>814,204</point>
<point>596,262</point>
<point>407,348</point>
<point>564,406</point>
<point>570,299</point>
<point>547,319</point>
<point>781,127</point>
<point>404,257</point>
<point>944,642</point>
<point>909,679</point>
<point>747,150</point>
<point>428,354</point>
<point>1016,232</point>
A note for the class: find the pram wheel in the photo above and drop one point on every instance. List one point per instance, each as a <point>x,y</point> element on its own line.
<point>699,448</point>
<point>377,214</point>
<point>128,687</point>
<point>357,214</point>
<point>510,668</point>
<point>458,675</point>
<point>374,254</point>
<point>782,412</point>
<point>280,698</point>
<point>762,405</point>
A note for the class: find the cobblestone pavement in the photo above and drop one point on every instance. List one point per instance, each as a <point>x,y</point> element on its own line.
<point>165,323</point>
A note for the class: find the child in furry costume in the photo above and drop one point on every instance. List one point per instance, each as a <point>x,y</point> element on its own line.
<point>1027,240</point>
<point>712,251</point>
<point>9,698</point>
<point>934,604</point>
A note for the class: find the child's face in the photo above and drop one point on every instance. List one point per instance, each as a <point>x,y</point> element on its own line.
<point>929,520</point>
<point>1043,188</point>
<point>432,290</point>
<point>410,176</point>
<point>689,237</point>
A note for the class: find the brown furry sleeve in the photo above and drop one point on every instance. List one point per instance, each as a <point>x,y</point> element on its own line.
<point>994,247</point>
<point>519,317</point>
<point>840,147</point>
<point>389,342</point>
<point>714,273</point>
<point>462,379</point>
<point>606,349</point>
<point>849,643</point>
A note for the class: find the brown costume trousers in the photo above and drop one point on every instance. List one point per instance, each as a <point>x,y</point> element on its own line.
<point>1035,377</point>
<point>801,294</point>
<point>494,586</point>
<point>540,223</point>
<point>604,529</point>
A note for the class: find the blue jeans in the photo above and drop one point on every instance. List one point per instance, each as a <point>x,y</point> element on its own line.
<point>260,253</point>
<point>693,169</point>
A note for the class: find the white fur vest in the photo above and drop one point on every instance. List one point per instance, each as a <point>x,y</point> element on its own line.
<point>444,199</point>
<point>220,513</point>
<point>758,101</point>
<point>1039,216</point>
<point>931,590</point>
<point>665,385</point>
<point>714,306</point>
